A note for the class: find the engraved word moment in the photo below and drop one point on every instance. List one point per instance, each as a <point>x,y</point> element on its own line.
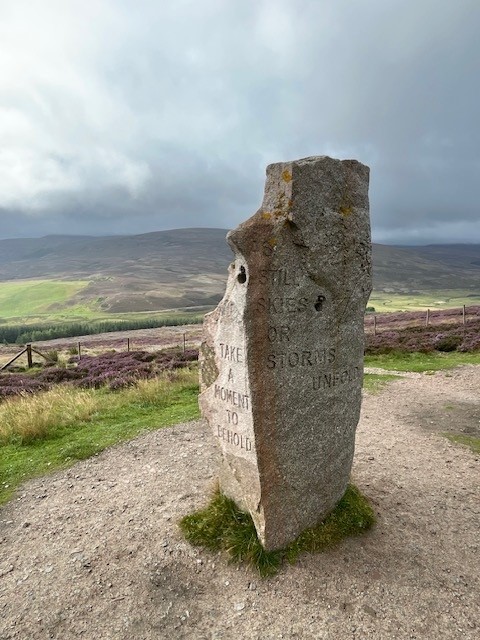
<point>282,355</point>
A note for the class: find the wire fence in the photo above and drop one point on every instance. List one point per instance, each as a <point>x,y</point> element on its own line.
<point>375,323</point>
<point>428,318</point>
<point>78,348</point>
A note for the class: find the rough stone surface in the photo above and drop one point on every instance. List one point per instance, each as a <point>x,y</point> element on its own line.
<point>282,356</point>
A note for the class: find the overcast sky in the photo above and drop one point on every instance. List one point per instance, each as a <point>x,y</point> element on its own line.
<point>129,116</point>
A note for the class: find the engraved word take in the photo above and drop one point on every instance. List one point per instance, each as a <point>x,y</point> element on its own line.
<point>230,353</point>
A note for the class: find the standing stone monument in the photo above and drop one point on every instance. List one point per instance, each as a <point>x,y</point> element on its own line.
<point>282,354</point>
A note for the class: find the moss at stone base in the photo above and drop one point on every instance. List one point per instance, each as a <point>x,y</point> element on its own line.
<point>222,526</point>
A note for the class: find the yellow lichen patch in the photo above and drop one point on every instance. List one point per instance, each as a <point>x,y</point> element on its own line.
<point>272,242</point>
<point>346,211</point>
<point>282,206</point>
<point>287,176</point>
<point>266,215</point>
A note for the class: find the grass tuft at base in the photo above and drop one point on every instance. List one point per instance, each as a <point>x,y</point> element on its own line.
<point>222,526</point>
<point>473,442</point>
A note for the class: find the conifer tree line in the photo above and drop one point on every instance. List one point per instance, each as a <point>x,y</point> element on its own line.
<point>22,334</point>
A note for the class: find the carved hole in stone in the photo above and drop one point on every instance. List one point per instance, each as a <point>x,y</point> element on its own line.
<point>242,276</point>
<point>319,303</point>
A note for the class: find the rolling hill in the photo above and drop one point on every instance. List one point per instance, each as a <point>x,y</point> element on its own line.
<point>185,268</point>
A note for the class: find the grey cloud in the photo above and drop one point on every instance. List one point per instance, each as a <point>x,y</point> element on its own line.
<point>136,116</point>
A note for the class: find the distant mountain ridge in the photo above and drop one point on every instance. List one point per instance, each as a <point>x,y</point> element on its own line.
<point>188,267</point>
<point>426,268</point>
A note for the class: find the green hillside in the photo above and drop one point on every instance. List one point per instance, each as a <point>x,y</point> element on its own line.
<point>37,297</point>
<point>71,278</point>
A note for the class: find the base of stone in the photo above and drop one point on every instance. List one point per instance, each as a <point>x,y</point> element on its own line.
<point>221,525</point>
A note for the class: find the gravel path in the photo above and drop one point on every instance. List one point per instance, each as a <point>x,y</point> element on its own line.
<point>94,552</point>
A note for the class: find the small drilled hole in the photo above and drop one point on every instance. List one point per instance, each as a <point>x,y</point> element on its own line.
<point>319,303</point>
<point>242,276</point>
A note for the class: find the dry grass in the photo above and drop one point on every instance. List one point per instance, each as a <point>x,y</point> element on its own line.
<point>30,417</point>
<point>54,429</point>
<point>160,390</point>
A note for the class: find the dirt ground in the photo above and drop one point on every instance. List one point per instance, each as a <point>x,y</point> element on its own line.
<point>95,552</point>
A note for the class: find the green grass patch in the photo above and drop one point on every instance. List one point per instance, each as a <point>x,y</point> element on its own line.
<point>375,382</point>
<point>473,442</point>
<point>421,362</point>
<point>31,297</point>
<point>222,526</point>
<point>439,299</point>
<point>113,418</point>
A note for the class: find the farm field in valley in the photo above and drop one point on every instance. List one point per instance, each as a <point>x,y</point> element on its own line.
<point>72,278</point>
<point>56,301</point>
<point>48,302</point>
<point>439,299</point>
<point>25,300</point>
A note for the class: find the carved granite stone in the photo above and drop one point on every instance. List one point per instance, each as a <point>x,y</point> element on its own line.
<point>282,354</point>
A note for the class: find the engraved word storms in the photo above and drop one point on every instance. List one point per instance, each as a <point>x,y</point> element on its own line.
<point>304,358</point>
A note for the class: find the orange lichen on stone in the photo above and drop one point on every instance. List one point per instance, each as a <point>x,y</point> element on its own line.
<point>346,211</point>
<point>287,176</point>
<point>282,207</point>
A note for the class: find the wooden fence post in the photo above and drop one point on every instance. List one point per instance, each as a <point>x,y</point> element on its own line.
<point>79,351</point>
<point>128,344</point>
<point>184,342</point>
<point>29,356</point>
<point>7,364</point>
<point>464,315</point>
<point>427,320</point>
<point>374,325</point>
